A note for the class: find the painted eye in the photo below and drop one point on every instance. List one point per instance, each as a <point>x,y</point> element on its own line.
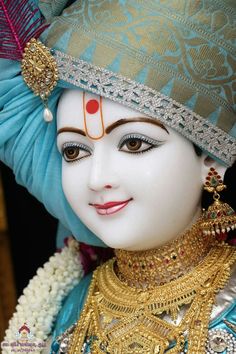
<point>74,152</point>
<point>135,143</point>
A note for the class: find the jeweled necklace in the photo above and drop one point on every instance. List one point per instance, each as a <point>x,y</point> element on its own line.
<point>119,318</point>
<point>147,269</point>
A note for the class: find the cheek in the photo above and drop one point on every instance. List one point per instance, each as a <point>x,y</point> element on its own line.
<point>161,180</point>
<point>74,184</point>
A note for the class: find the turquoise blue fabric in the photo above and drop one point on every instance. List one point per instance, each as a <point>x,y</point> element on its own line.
<point>28,146</point>
<point>62,234</point>
<point>230,315</point>
<point>73,305</point>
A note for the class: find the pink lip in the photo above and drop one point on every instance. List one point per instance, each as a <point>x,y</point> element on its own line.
<point>110,207</point>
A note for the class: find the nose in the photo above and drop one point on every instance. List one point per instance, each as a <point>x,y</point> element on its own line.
<point>102,173</point>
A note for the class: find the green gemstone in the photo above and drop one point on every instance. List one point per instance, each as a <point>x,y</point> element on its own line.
<point>214,182</point>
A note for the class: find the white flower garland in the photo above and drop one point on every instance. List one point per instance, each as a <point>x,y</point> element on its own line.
<point>42,298</point>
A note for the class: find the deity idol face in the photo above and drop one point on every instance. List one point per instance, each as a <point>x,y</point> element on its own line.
<point>134,182</point>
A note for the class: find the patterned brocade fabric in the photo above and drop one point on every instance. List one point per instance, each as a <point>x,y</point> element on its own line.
<point>182,49</point>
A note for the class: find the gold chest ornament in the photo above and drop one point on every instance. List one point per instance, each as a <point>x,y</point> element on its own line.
<point>118,318</point>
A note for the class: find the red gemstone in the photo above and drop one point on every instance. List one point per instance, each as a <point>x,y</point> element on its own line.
<point>197,322</point>
<point>92,106</point>
<point>222,236</point>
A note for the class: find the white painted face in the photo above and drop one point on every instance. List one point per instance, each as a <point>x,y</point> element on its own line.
<point>135,183</point>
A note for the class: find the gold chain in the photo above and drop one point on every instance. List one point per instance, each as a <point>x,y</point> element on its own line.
<point>147,269</point>
<point>120,319</point>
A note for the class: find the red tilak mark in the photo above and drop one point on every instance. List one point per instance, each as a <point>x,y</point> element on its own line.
<point>92,106</point>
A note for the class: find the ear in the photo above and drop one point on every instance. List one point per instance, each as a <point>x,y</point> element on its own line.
<point>207,163</point>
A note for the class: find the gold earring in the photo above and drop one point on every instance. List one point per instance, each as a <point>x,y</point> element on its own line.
<point>219,218</point>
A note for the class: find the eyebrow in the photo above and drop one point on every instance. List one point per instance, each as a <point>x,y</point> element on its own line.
<point>131,120</point>
<point>114,125</point>
<point>71,130</point>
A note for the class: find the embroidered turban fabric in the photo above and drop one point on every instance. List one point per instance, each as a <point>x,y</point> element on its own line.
<point>178,56</point>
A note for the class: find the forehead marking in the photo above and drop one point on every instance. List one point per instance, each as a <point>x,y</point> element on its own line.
<point>92,106</point>
<point>94,127</point>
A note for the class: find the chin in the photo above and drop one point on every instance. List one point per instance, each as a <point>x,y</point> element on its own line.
<point>117,242</point>
<point>126,243</point>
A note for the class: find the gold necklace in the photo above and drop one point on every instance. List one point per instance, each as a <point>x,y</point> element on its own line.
<point>119,319</point>
<point>147,269</point>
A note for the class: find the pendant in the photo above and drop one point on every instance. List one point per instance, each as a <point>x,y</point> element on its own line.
<point>47,115</point>
<point>220,341</point>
